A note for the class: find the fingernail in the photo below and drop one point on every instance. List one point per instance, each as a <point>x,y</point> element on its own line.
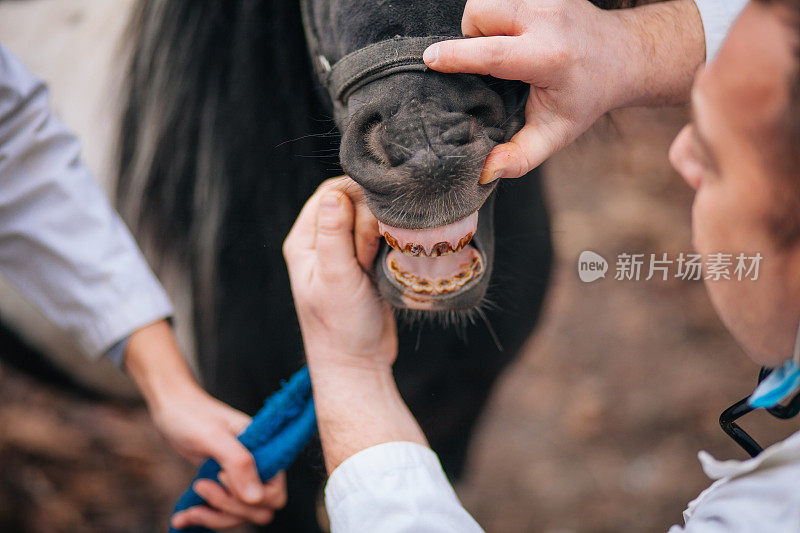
<point>489,177</point>
<point>330,201</point>
<point>431,54</point>
<point>253,493</point>
<point>176,521</point>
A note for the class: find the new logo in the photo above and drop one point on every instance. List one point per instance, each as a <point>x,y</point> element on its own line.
<point>591,266</point>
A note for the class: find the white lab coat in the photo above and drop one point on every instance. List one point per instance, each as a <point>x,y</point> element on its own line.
<point>61,243</point>
<point>399,487</point>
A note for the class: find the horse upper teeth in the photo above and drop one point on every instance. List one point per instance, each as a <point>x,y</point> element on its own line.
<point>438,249</point>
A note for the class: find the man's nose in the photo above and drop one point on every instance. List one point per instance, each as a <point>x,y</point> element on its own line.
<point>680,156</point>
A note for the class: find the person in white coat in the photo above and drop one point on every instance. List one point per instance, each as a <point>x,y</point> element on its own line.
<point>739,154</point>
<point>69,253</point>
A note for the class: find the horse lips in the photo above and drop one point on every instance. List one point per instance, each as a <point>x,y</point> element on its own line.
<point>434,261</point>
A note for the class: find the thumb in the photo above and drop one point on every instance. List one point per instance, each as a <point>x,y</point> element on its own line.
<point>496,56</point>
<point>367,237</point>
<point>236,420</point>
<point>239,467</point>
<point>526,150</point>
<point>336,255</point>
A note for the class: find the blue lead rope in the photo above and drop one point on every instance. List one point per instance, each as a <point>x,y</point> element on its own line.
<point>278,432</point>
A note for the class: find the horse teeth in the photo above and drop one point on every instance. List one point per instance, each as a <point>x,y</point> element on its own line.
<point>437,250</point>
<point>465,240</point>
<point>467,272</point>
<point>441,248</point>
<point>414,249</point>
<point>391,241</point>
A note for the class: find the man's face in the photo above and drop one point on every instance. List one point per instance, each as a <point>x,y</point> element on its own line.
<point>726,155</point>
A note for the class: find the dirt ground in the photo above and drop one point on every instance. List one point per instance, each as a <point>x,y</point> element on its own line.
<point>594,429</point>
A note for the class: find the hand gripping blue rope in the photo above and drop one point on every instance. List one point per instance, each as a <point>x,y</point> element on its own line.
<point>278,432</point>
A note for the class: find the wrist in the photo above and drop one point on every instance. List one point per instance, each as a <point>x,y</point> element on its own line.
<point>628,59</point>
<point>358,406</point>
<point>338,356</point>
<point>349,371</point>
<point>661,46</point>
<point>351,378</point>
<point>154,362</point>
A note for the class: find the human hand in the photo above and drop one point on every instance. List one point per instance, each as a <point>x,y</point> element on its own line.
<point>349,332</point>
<point>199,426</point>
<point>329,253</point>
<point>580,62</point>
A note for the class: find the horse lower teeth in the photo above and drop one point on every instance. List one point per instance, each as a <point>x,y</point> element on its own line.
<point>467,272</point>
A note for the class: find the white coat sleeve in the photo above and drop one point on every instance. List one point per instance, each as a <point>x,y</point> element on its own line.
<point>392,488</point>
<point>61,243</point>
<point>718,17</point>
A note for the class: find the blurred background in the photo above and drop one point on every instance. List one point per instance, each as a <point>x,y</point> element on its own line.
<point>594,429</point>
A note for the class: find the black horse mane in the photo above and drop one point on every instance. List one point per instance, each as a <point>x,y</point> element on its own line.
<point>222,131</point>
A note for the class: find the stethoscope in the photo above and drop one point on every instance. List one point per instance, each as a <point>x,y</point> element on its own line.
<point>775,386</point>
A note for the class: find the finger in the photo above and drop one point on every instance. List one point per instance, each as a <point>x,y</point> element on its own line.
<point>239,467</point>
<point>233,419</point>
<point>221,500</point>
<point>237,421</point>
<point>348,186</point>
<point>201,515</point>
<point>195,458</point>
<point>302,236</point>
<point>492,17</point>
<point>526,150</point>
<point>335,248</point>
<point>366,236</point>
<point>275,495</point>
<point>224,480</point>
<point>496,56</point>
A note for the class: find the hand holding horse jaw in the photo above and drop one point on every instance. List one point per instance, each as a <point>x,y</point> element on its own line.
<point>580,62</point>
<point>329,253</point>
<point>349,332</point>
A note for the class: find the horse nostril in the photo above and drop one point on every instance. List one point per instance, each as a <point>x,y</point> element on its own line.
<point>489,119</point>
<point>460,134</point>
<point>368,124</point>
<point>483,113</point>
<point>372,132</point>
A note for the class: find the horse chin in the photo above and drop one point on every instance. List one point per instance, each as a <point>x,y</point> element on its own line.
<point>425,280</point>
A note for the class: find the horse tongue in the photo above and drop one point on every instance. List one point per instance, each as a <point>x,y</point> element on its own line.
<point>456,235</point>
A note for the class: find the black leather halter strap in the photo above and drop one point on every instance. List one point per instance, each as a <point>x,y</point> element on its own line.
<point>375,61</point>
<point>365,65</point>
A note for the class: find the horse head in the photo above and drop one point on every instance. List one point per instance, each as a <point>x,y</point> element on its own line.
<point>415,140</point>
